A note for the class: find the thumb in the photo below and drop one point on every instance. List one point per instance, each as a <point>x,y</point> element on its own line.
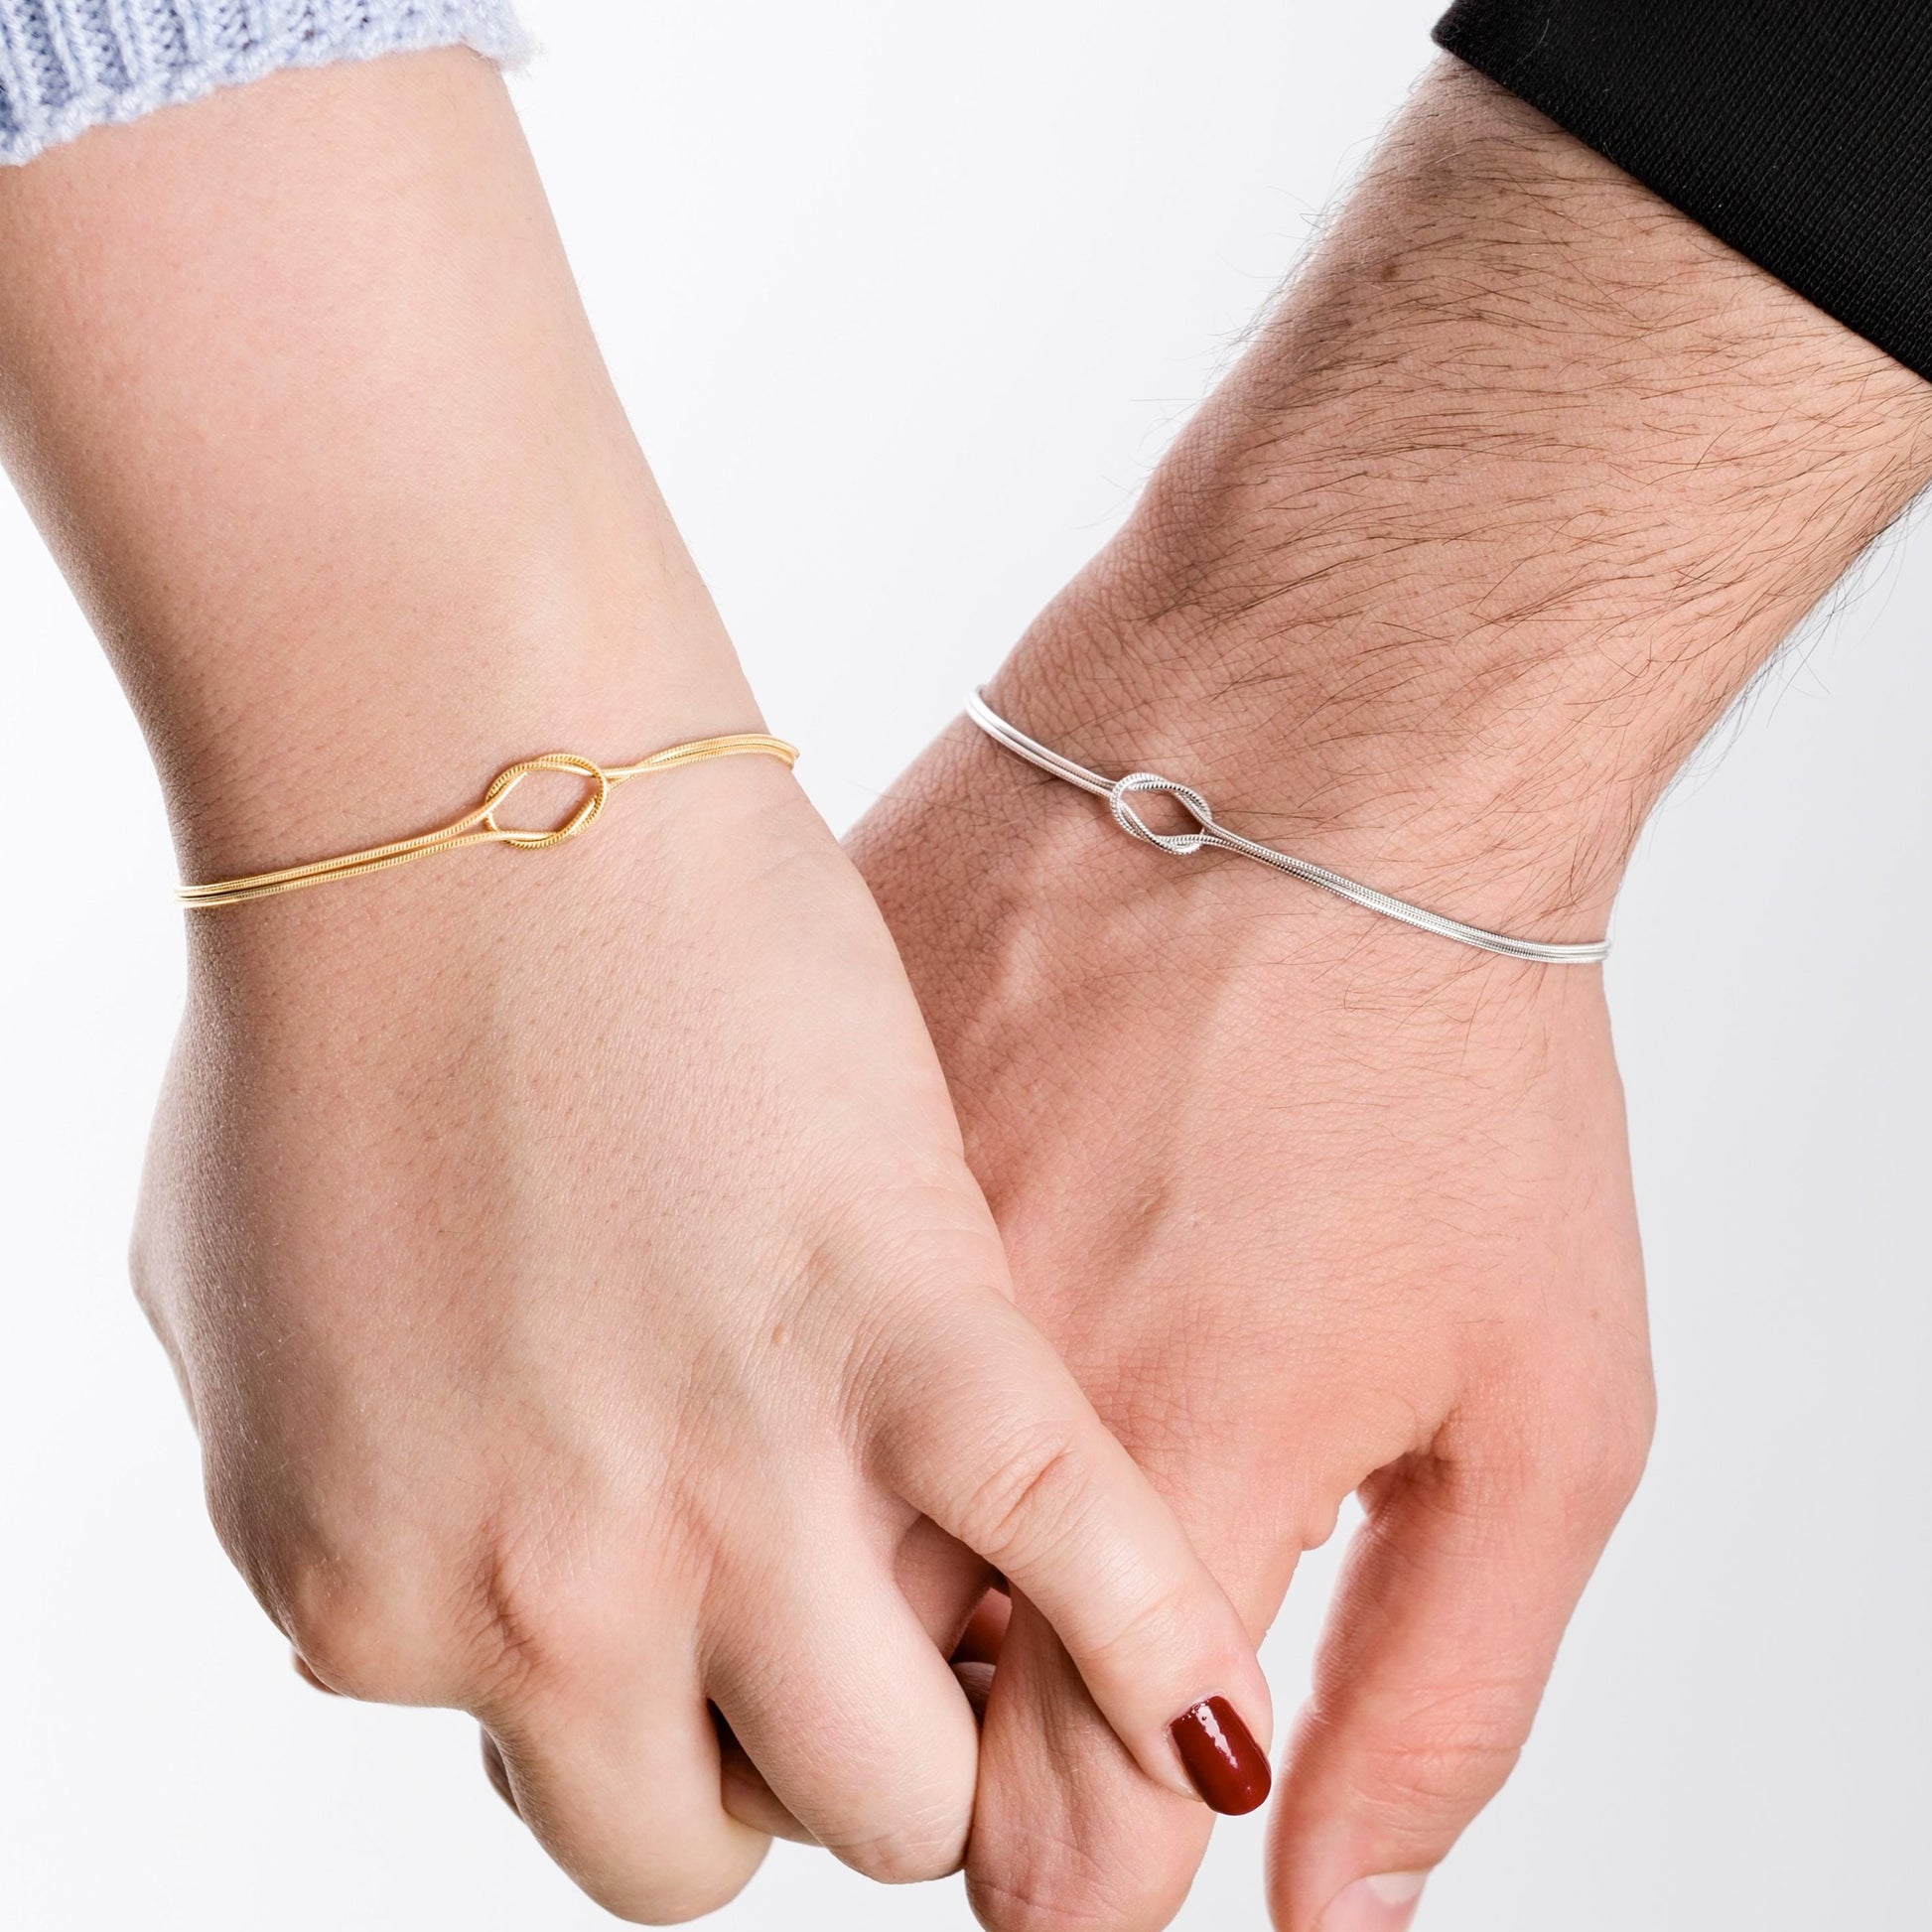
<point>988,1433</point>
<point>1452,1605</point>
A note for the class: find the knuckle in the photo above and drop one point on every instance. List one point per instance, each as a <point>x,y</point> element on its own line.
<point>544,1593</point>
<point>931,1843</point>
<point>664,1898</point>
<point>525,1630</point>
<point>144,1274</point>
<point>1029,1499</point>
<point>1436,1777</point>
<point>1577,1464</point>
<point>348,1634</point>
<point>1601,1465</point>
<point>1075,1893</point>
<point>1166,1623</point>
<point>147,1279</point>
<point>1424,1770</point>
<point>379,1619</point>
<point>1073,1838</point>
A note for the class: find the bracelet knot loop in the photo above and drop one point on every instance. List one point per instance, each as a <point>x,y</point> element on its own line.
<point>513,776</point>
<point>1187,844</point>
<point>479,826</point>
<point>1212,834</point>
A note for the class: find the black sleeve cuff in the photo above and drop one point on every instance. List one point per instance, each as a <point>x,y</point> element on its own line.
<point>1798,131</point>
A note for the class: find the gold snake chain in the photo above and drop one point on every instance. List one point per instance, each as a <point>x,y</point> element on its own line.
<point>480,827</point>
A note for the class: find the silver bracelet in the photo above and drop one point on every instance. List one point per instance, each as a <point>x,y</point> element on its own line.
<point>1117,792</point>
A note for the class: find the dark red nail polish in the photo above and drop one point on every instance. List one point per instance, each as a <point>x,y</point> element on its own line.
<point>1228,1768</point>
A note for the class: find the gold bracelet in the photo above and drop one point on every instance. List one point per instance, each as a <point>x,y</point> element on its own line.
<point>480,827</point>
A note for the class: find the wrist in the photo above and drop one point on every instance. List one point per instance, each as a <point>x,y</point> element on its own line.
<point>1496,516</point>
<point>332,743</point>
<point>446,936</point>
<point>1470,809</point>
<point>338,471</point>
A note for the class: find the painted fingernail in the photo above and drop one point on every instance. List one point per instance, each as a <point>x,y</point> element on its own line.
<point>1384,1904</point>
<point>1223,1761</point>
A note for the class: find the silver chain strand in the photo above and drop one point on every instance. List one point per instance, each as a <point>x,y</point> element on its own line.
<point>1117,792</point>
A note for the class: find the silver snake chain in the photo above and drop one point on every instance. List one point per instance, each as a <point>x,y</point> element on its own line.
<point>1117,792</point>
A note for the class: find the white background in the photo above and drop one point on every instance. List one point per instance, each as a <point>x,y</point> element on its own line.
<point>904,299</point>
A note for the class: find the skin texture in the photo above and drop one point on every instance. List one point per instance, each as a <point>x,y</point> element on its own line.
<point>570,1260</point>
<point>1501,508</point>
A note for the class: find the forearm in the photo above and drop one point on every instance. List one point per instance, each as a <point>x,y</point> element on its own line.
<point>297,384</point>
<point>1505,504</point>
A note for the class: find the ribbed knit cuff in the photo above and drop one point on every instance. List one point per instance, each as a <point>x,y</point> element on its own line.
<point>69,65</point>
<point>1799,132</point>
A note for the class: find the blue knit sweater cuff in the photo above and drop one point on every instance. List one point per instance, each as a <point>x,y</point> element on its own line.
<point>69,65</point>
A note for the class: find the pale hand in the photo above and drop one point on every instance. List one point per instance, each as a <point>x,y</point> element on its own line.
<point>571,1263</point>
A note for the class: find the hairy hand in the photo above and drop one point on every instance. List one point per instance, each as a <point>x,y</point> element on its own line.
<point>1499,511</point>
<point>1311,1204</point>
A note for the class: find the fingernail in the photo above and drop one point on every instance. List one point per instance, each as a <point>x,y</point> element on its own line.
<point>1223,1761</point>
<point>1384,1904</point>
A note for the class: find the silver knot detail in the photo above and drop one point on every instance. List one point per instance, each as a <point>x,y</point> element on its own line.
<point>1185,797</point>
<point>1118,792</point>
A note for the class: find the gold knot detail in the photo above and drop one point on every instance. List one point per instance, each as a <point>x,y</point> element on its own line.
<point>479,826</point>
